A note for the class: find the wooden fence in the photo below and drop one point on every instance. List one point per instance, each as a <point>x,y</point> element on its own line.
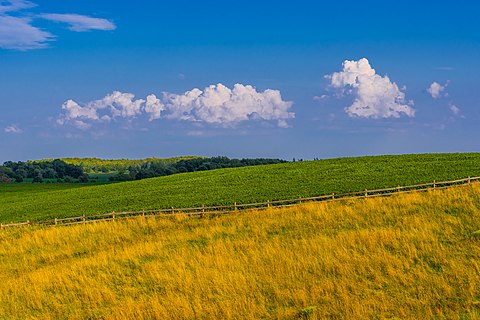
<point>204,210</point>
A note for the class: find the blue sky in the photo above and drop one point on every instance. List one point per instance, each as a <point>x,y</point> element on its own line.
<point>303,79</point>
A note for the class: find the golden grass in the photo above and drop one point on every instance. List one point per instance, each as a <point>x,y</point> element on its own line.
<point>412,256</point>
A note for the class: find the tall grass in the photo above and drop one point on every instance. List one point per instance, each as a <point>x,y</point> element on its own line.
<point>412,256</point>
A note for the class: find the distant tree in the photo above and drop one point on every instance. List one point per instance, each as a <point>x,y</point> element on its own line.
<point>5,179</point>
<point>37,179</point>
<point>40,170</point>
<point>21,172</point>
<point>60,167</point>
<point>161,168</point>
<point>49,173</point>
<point>83,178</point>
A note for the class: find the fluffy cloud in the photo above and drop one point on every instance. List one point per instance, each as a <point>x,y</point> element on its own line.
<point>215,105</point>
<point>120,105</point>
<point>375,96</point>
<point>112,106</point>
<point>13,129</point>
<point>77,115</point>
<point>220,105</point>
<point>436,90</point>
<point>80,23</point>
<point>18,32</point>
<point>154,107</point>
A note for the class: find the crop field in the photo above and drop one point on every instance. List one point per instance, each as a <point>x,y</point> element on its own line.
<point>24,189</point>
<point>410,256</point>
<point>241,185</point>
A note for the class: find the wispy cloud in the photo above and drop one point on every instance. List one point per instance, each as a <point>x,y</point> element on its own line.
<point>19,34</point>
<point>15,5</point>
<point>375,96</point>
<point>321,98</point>
<point>216,105</point>
<point>80,23</point>
<point>17,30</point>
<point>13,129</point>
<point>455,110</point>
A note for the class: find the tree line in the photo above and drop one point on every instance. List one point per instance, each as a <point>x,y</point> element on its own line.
<point>40,170</point>
<point>153,169</point>
<point>60,171</point>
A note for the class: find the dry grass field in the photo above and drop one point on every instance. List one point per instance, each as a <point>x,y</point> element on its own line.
<point>412,256</point>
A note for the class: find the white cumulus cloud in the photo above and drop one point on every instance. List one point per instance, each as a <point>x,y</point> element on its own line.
<point>375,96</point>
<point>220,105</point>
<point>436,90</point>
<point>112,106</point>
<point>154,107</point>
<point>77,115</point>
<point>120,105</point>
<point>80,23</point>
<point>215,105</point>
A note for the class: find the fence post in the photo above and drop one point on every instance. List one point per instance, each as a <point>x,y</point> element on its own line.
<point>235,206</point>
<point>56,221</point>
<point>434,184</point>
<point>84,219</point>
<point>469,180</point>
<point>113,215</point>
<point>268,203</point>
<point>173,210</point>
<point>366,193</point>
<point>143,213</point>
<point>333,196</point>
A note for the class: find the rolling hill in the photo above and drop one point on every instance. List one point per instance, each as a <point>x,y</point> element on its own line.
<point>241,185</point>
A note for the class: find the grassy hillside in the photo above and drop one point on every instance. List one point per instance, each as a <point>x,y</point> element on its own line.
<point>16,189</point>
<point>241,185</point>
<point>409,256</point>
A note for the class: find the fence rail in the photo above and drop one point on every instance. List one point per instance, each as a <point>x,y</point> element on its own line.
<point>205,210</point>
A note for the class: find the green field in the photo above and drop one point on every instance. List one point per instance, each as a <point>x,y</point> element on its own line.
<point>23,189</point>
<point>241,185</point>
